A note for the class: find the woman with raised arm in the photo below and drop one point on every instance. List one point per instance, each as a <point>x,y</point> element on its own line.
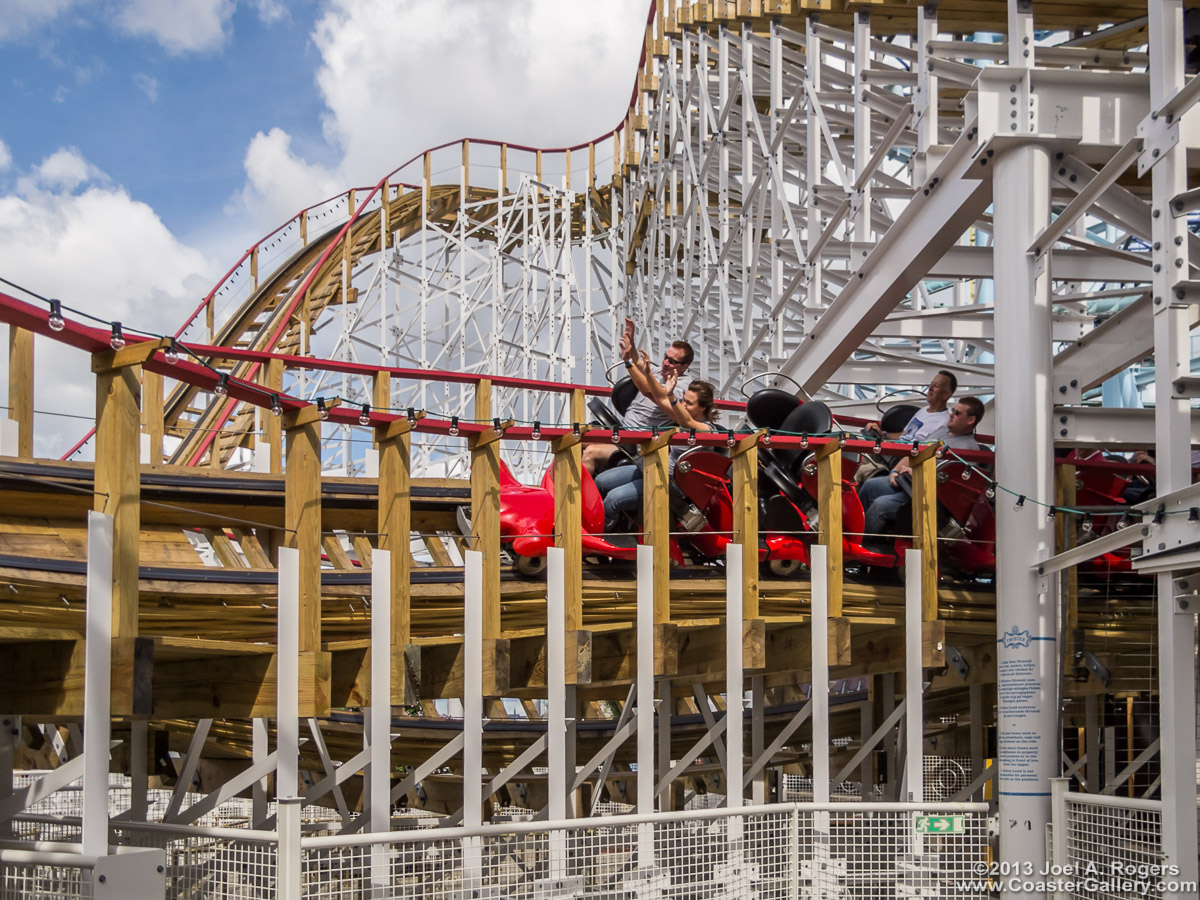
<point>621,487</point>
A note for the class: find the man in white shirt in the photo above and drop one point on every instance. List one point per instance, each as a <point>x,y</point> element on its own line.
<point>884,498</point>
<point>934,416</point>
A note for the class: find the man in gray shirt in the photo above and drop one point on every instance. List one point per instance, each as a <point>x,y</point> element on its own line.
<point>643,413</point>
<point>883,497</point>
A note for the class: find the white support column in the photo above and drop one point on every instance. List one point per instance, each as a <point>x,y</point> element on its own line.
<point>139,730</point>
<point>287,726</point>
<point>724,139</point>
<point>778,194</point>
<point>735,679</point>
<point>735,689</point>
<point>914,676</point>
<point>378,733</point>
<point>862,123</point>
<point>258,754</point>
<point>925,97</point>
<point>97,700</point>
<point>472,782</point>
<point>1176,626</point>
<point>559,778</point>
<point>812,81</point>
<point>1020,33</point>
<point>645,702</point>
<point>820,673</point>
<point>1026,620</point>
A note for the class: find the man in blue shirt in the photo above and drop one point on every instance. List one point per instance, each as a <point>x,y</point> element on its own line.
<point>884,498</point>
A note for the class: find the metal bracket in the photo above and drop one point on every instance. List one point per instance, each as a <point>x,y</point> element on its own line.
<point>1097,668</point>
<point>1159,134</point>
<point>1185,388</point>
<point>10,732</point>
<point>1187,202</point>
<point>1185,293</point>
<point>954,658</point>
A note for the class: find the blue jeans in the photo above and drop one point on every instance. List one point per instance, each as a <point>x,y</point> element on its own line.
<point>621,489</point>
<point>882,504</point>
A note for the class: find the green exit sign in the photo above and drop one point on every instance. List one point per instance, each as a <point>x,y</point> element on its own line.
<point>940,825</point>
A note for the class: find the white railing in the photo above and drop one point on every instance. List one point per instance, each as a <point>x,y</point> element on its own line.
<point>794,851</point>
<point>1100,839</point>
<point>59,871</point>
<point>847,850</point>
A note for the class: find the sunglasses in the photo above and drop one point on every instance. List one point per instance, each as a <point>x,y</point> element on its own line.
<point>674,362</point>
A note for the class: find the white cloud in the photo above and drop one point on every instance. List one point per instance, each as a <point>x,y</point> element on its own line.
<point>63,170</point>
<point>466,69</point>
<point>19,17</point>
<point>66,231</point>
<point>180,26</point>
<point>148,85</point>
<point>278,182</point>
<point>270,11</point>
<point>399,77</point>
<point>5,157</point>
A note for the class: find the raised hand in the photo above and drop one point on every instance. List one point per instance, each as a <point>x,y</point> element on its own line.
<point>627,351</point>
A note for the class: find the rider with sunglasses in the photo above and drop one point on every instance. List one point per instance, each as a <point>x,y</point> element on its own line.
<point>644,413</point>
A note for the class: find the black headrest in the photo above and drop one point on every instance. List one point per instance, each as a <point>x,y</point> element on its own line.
<point>896,418</point>
<point>769,407</point>
<point>623,393</point>
<point>602,413</point>
<point>813,417</point>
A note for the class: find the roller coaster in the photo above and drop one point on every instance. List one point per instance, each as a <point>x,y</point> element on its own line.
<point>384,402</point>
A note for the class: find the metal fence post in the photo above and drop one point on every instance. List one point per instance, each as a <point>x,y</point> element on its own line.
<point>1060,828</point>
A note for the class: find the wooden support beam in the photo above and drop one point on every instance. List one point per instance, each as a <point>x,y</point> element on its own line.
<point>656,523</point>
<point>485,510</point>
<point>272,379</point>
<point>829,507</point>
<point>745,518</point>
<point>308,415</point>
<point>925,527</point>
<point>242,685</point>
<point>152,414</point>
<point>485,537</point>
<point>20,387</point>
<point>118,493</point>
<point>302,519</point>
<point>395,529</point>
<point>568,532</point>
<point>881,649</point>
<point>129,355</point>
<point>789,646</point>
<point>118,485</point>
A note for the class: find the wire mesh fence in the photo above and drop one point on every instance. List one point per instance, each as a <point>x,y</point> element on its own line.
<point>40,880</point>
<point>771,852</point>
<point>216,864</point>
<point>1104,836</point>
<point>836,850</point>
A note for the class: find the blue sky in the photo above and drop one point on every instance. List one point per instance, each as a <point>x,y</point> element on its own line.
<point>144,144</point>
<point>170,126</point>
